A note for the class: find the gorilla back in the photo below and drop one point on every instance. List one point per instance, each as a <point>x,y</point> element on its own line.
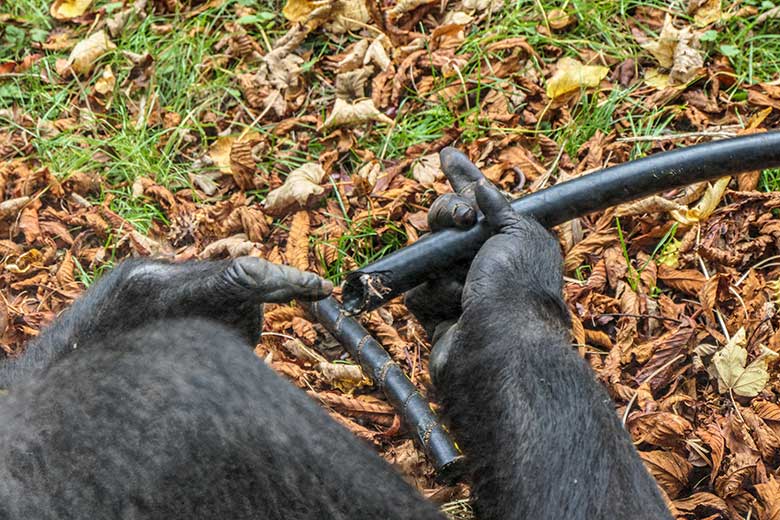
<point>179,419</point>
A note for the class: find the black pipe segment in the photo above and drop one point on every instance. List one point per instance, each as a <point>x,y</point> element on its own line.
<point>396,273</point>
<point>413,408</point>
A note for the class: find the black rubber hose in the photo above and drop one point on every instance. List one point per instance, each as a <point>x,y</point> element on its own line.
<point>402,394</point>
<point>374,284</point>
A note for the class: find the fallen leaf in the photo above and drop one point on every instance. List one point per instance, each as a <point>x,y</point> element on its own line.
<point>427,169</point>
<point>106,82</point>
<point>559,19</point>
<point>86,52</point>
<point>67,9</point>
<point>343,376</point>
<point>338,15</point>
<point>677,50</point>
<point>297,251</point>
<point>705,12</point>
<point>23,263</point>
<point>656,79</point>
<point>404,6</point>
<point>345,113</point>
<point>299,187</point>
<point>571,75</point>
<point>705,206</point>
<point>669,469</point>
<point>219,151</point>
<point>733,375</point>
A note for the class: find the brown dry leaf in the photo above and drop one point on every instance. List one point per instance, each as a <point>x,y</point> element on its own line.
<point>366,177</point>
<point>659,428</point>
<point>697,500</point>
<point>86,52</point>
<point>651,204</point>
<point>344,376</point>
<point>219,151</point>
<point>769,493</point>
<point>297,252</point>
<point>301,185</point>
<point>689,281</point>
<point>767,411</point>
<point>733,374</point>
<point>427,169</point>
<point>305,330</point>
<point>67,9</point>
<point>571,75</point>
<point>345,113</point>
<point>677,50</point>
<point>669,469</point>
<point>591,245</point>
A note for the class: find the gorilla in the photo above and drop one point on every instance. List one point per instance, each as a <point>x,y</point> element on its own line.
<point>144,400</point>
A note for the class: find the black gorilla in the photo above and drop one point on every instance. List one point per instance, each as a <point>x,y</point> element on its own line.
<point>145,400</point>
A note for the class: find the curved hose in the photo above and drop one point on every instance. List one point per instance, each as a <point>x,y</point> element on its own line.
<point>406,268</point>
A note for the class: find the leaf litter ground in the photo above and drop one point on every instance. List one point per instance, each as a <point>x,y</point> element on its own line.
<point>308,133</point>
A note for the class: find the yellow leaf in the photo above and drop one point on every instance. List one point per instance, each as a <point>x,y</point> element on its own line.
<point>733,375</point>
<point>341,15</point>
<point>705,206</point>
<point>571,75</point>
<point>106,82</point>
<point>559,19</point>
<point>656,79</point>
<point>708,13</point>
<point>86,52</point>
<point>67,9</point>
<point>300,185</point>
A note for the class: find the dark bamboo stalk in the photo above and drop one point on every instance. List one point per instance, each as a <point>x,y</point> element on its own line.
<point>377,363</point>
<point>374,284</point>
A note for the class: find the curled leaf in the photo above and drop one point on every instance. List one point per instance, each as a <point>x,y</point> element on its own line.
<point>705,206</point>
<point>86,52</point>
<point>349,114</point>
<point>67,9</point>
<point>302,184</point>
<point>25,262</point>
<point>676,49</point>
<point>345,377</point>
<point>571,75</point>
<point>106,82</point>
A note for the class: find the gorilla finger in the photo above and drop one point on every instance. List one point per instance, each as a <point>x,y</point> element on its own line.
<point>459,170</point>
<point>451,210</point>
<point>498,213</point>
<point>280,283</point>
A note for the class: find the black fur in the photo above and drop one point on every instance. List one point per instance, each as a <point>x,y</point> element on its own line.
<point>541,436</point>
<point>161,410</point>
<point>158,415</point>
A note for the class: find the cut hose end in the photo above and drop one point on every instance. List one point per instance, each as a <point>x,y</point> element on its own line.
<point>363,291</point>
